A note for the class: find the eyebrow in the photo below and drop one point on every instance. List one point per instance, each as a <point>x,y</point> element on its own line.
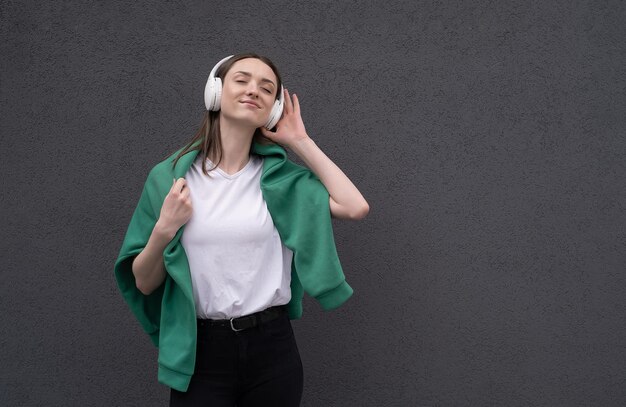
<point>262,79</point>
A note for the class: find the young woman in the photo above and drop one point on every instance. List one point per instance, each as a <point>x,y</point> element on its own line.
<point>227,236</point>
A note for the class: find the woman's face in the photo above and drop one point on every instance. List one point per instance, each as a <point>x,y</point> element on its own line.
<point>248,92</point>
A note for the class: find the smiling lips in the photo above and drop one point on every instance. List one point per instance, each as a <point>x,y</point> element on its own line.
<point>251,103</point>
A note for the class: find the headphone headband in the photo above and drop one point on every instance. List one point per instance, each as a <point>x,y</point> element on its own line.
<point>217,66</point>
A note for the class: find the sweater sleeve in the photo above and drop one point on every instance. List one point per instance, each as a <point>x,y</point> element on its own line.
<point>301,211</point>
<point>146,308</point>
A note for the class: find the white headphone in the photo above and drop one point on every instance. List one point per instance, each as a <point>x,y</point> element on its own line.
<point>213,96</point>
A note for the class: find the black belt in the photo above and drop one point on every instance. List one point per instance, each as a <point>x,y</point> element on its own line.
<point>247,321</point>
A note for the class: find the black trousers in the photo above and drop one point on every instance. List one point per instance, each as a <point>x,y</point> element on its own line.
<point>259,366</point>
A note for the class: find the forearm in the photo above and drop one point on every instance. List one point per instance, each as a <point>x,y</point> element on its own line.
<point>148,266</point>
<point>349,201</point>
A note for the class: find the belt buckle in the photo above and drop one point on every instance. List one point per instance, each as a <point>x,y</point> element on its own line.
<point>233,327</point>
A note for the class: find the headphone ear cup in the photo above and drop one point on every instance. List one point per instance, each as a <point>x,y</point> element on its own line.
<point>213,94</point>
<point>213,88</point>
<point>217,104</point>
<point>277,111</point>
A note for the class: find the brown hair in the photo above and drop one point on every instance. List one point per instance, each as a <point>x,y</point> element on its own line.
<point>209,133</point>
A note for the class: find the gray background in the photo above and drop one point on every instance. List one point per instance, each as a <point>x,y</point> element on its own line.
<point>488,138</point>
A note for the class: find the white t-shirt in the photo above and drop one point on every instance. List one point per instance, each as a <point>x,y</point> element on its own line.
<point>237,261</point>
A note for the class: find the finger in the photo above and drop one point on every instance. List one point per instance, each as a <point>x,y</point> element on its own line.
<point>296,104</point>
<point>180,184</point>
<point>185,193</point>
<point>267,133</point>
<point>173,183</point>
<point>288,104</point>
<point>175,186</point>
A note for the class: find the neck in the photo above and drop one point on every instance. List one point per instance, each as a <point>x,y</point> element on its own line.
<point>236,141</point>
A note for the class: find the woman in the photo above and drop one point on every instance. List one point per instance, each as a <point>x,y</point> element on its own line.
<point>227,236</point>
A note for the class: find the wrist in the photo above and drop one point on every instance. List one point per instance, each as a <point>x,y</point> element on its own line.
<point>163,231</point>
<point>301,145</point>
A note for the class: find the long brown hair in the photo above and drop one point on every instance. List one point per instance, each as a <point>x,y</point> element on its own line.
<point>209,136</point>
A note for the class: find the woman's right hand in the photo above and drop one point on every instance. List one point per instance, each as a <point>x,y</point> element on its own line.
<point>176,209</point>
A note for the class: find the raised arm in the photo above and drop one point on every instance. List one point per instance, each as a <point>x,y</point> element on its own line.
<point>346,202</point>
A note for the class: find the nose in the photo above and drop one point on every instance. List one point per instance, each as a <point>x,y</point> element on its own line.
<point>251,89</point>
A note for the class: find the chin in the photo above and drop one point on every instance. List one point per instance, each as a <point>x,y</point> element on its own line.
<point>244,119</point>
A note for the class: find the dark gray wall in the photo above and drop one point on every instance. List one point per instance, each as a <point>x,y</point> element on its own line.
<point>488,138</point>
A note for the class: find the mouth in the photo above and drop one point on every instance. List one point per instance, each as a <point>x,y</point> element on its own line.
<point>250,103</point>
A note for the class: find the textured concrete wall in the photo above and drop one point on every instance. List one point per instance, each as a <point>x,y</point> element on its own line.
<point>488,137</point>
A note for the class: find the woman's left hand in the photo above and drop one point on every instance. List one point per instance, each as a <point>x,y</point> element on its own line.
<point>290,127</point>
<point>345,200</point>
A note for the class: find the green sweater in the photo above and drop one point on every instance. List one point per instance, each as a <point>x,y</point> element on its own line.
<point>298,204</point>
